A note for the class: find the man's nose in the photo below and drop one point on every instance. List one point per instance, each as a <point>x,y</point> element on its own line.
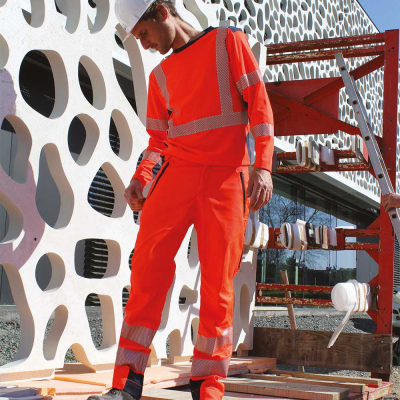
<point>145,43</point>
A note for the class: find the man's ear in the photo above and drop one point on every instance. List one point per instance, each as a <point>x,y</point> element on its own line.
<point>162,12</point>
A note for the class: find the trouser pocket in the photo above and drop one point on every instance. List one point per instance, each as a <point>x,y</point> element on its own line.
<point>160,174</point>
<point>243,191</point>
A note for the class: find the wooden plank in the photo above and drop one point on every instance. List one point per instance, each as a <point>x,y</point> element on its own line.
<point>352,387</point>
<point>333,378</point>
<point>285,389</point>
<point>163,394</point>
<point>353,351</point>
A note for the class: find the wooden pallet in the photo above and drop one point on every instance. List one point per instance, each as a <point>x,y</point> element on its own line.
<point>283,387</point>
<point>76,383</point>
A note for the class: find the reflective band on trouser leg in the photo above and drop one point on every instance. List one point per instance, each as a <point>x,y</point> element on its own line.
<point>132,355</point>
<point>138,334</point>
<point>129,369</point>
<point>210,367</point>
<point>213,345</point>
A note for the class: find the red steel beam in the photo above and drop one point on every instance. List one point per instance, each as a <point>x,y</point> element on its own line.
<point>325,55</point>
<point>313,113</point>
<point>295,168</point>
<point>326,43</point>
<point>273,242</point>
<point>298,302</point>
<point>361,232</point>
<point>294,288</point>
<point>337,84</point>
<point>384,279</point>
<point>291,156</point>
<point>362,246</point>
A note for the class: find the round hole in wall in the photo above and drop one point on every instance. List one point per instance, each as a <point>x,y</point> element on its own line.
<point>98,13</point>
<point>194,329</point>
<point>12,218</point>
<point>83,135</point>
<point>118,40</point>
<point>92,82</point>
<point>174,345</point>
<point>45,92</point>
<point>250,7</point>
<point>260,19</point>
<point>37,82</point>
<point>187,297</point>
<point>54,196</point>
<point>106,192</point>
<point>16,142</point>
<point>4,52</point>
<point>35,17</point>
<point>121,139</point>
<point>267,11</point>
<point>125,296</point>
<point>192,254</point>
<point>55,328</point>
<point>50,272</point>
<point>71,11</point>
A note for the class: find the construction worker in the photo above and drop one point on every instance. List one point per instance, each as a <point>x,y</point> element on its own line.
<point>200,101</point>
<point>391,200</point>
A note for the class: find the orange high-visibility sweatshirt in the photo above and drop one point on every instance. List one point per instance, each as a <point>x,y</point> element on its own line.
<point>202,101</point>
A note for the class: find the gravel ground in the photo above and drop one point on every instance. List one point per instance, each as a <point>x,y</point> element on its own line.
<point>359,323</point>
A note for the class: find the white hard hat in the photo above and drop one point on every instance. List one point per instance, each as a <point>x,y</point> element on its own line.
<point>129,12</point>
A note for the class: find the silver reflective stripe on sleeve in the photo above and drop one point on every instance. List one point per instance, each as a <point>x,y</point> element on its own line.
<point>249,79</point>
<point>262,130</point>
<point>209,367</point>
<point>138,334</point>
<point>151,155</point>
<point>212,345</point>
<point>134,359</point>
<point>156,124</point>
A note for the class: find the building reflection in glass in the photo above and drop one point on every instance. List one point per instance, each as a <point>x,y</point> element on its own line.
<point>292,201</point>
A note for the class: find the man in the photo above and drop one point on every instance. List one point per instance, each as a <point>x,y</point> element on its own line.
<point>199,103</point>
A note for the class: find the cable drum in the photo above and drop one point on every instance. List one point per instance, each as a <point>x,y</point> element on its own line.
<point>290,236</point>
<point>256,234</point>
<point>349,297</point>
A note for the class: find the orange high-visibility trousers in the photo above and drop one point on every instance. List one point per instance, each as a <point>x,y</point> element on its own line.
<point>213,199</point>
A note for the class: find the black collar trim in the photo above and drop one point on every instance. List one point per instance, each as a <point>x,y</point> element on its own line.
<point>209,29</point>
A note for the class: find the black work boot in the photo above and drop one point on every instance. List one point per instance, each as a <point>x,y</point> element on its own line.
<point>114,394</point>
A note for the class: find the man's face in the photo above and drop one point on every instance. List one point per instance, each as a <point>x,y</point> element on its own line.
<point>154,34</point>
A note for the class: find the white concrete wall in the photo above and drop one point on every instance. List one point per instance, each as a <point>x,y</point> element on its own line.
<point>81,35</point>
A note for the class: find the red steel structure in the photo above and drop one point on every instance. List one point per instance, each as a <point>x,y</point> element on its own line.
<point>310,107</point>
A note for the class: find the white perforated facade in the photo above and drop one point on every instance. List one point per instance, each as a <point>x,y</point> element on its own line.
<point>76,35</point>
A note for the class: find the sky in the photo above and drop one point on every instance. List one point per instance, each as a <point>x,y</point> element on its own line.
<point>385,14</point>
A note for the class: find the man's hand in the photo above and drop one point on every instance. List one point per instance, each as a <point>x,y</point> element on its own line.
<point>134,195</point>
<point>260,188</point>
<point>391,200</point>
